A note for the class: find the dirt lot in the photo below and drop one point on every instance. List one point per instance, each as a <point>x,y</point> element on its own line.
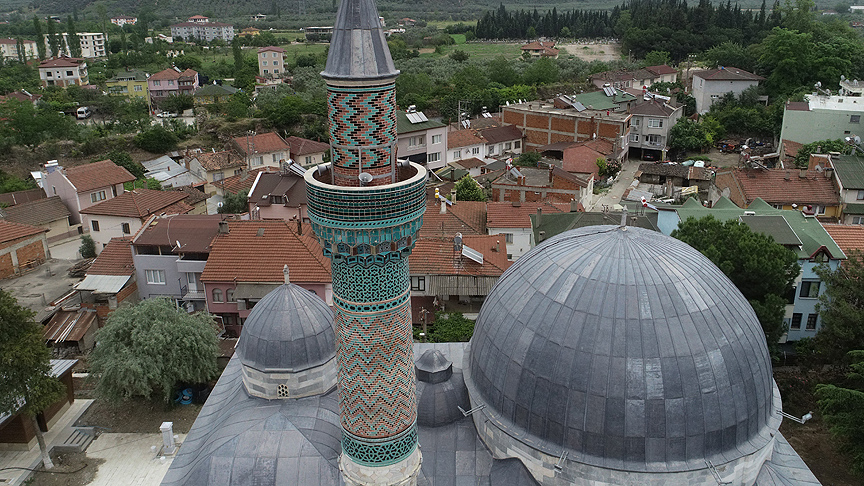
<point>70,469</point>
<point>138,416</point>
<point>594,52</point>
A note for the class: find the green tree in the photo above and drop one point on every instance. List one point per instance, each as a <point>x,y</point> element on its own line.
<point>656,58</point>
<point>802,158</point>
<point>123,159</point>
<point>177,103</point>
<point>841,307</point>
<point>186,61</point>
<point>147,348</point>
<point>690,135</point>
<point>565,32</point>
<point>729,54</point>
<point>450,327</point>
<point>53,39</point>
<point>528,159</point>
<point>843,409</point>
<point>88,247</point>
<point>467,189</point>
<point>459,55</point>
<point>541,71</point>
<point>10,183</point>
<point>25,368</point>
<point>40,38</point>
<point>501,71</point>
<point>156,140</point>
<point>760,268</point>
<point>74,40</point>
<point>235,203</point>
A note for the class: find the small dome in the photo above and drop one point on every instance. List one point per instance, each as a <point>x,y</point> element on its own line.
<point>291,329</point>
<point>433,367</point>
<point>440,390</point>
<point>623,346</point>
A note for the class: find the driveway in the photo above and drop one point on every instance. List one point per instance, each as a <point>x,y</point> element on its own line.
<point>621,183</point>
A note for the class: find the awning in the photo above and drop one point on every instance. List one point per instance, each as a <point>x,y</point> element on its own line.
<point>103,284</point>
<point>253,291</point>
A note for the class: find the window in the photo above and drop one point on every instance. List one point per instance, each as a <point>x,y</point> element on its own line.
<point>48,74</point>
<point>95,225</point>
<point>156,277</point>
<point>217,295</point>
<point>218,176</point>
<point>308,160</point>
<point>508,145</point>
<point>256,161</point>
<point>809,289</point>
<point>170,82</point>
<point>811,321</point>
<point>655,123</point>
<point>69,73</point>
<point>126,229</point>
<point>857,219</point>
<point>266,71</point>
<point>137,87</point>
<point>508,237</point>
<point>97,196</point>
<point>820,209</point>
<point>517,144</point>
<point>275,63</point>
<point>54,188</point>
<point>275,71</point>
<point>859,197</point>
<point>475,150</point>
<point>635,122</point>
<point>263,63</point>
<point>157,83</point>
<point>854,118</point>
<point>229,296</point>
<point>457,154</point>
<point>820,257</point>
<point>654,139</point>
<point>433,157</point>
<point>490,150</point>
<point>277,200</point>
<point>634,137</point>
<point>418,284</point>
<point>436,139</point>
<point>417,141</point>
<point>796,321</point>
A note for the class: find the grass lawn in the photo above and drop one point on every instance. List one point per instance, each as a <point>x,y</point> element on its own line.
<point>477,50</point>
<point>459,38</point>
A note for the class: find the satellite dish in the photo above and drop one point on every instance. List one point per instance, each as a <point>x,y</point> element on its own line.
<point>842,78</point>
<point>857,140</point>
<point>818,84</point>
<point>220,204</point>
<point>178,243</point>
<point>365,178</point>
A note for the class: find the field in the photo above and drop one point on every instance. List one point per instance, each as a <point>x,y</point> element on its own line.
<point>594,52</point>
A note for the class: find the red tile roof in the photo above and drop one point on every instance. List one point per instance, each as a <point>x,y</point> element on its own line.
<point>271,48</point>
<point>790,148</point>
<point>18,95</point>
<point>13,231</point>
<point>61,62</point>
<point>240,182</point>
<point>463,138</point>
<point>661,70</point>
<point>518,215</point>
<point>435,256</point>
<point>548,48</point>
<point>728,73</point>
<point>38,212</point>
<point>262,143</point>
<point>247,257</point>
<point>501,134</point>
<point>140,203</point>
<point>466,217</point>
<point>470,163</point>
<point>303,146</point>
<point>98,174</point>
<point>849,238</point>
<point>115,259</point>
<point>172,73</point>
<point>211,161</point>
<point>785,187</point>
<point>581,159</point>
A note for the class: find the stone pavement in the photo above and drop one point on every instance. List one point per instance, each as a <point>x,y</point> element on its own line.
<point>129,459</point>
<point>621,183</point>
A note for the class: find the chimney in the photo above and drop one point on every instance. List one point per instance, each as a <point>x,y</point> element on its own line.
<point>223,227</point>
<point>574,206</point>
<point>551,168</point>
<point>497,245</point>
<point>624,217</point>
<point>299,226</point>
<point>539,216</point>
<point>802,173</point>
<point>443,207</point>
<point>453,196</point>
<point>285,274</point>
<point>787,176</point>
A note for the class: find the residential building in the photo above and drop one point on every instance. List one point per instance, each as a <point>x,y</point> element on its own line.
<point>23,96</point>
<point>580,158</point>
<point>169,255</point>
<point>849,174</point>
<point>811,191</point>
<point>549,224</point>
<point>249,32</point>
<point>635,80</point>
<point>473,166</point>
<point>527,184</point>
<point>540,49</point>
<point>169,173</point>
<point>85,185</point>
<point>711,85</point>
<point>822,116</point>
<point>442,220</point>
<point>849,237</point>
<point>110,280</point>
<point>607,99</point>
<point>258,17</point>
<point>512,222</point>
<point>421,140</point>
<point>278,195</point>
<point>207,31</point>
<point>172,82</point>
<point>125,214</point>
<point>20,197</point>
<point>263,150</point>
<point>211,94</point>
<point>544,123</point>
<point>238,182</point>
<point>48,213</point>
<point>22,247</point>
<point>198,19</point>
<point>465,144</point>
<point>212,167</point>
<point>307,152</point>
<point>122,20</point>
<point>318,34</point>
<point>93,45</point>
<point>9,50</point>
<point>194,198</point>
<point>506,139</point>
<point>795,230</point>
<point>271,62</point>
<point>132,84</point>
<point>670,179</point>
<point>63,71</point>
<point>650,125</point>
<point>247,260</point>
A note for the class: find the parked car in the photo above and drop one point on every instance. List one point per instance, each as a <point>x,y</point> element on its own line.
<point>83,112</point>
<point>166,114</point>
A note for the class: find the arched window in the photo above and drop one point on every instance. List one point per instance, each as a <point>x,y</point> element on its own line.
<point>217,295</point>
<point>229,296</point>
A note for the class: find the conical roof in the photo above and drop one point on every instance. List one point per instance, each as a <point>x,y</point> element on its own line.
<point>358,48</point>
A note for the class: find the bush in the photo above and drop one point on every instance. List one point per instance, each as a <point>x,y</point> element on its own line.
<point>528,159</point>
<point>156,140</point>
<point>88,247</point>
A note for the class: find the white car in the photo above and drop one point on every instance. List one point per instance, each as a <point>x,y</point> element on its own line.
<point>166,114</point>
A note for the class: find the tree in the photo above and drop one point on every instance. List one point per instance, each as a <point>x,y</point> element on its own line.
<point>25,368</point>
<point>450,327</point>
<point>690,135</point>
<point>541,71</point>
<point>528,159</point>
<point>843,408</point>
<point>53,39</point>
<point>123,159</point>
<point>147,348</point>
<point>88,247</point>
<point>156,140</point>
<point>802,158</point>
<point>760,268</point>
<point>459,55</point>
<point>177,103</point>
<point>656,58</point>
<point>235,203</point>
<point>40,38</point>
<point>467,189</point>
<point>841,307</point>
<point>74,41</point>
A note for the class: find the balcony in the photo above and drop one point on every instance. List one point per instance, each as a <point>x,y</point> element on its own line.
<point>187,294</point>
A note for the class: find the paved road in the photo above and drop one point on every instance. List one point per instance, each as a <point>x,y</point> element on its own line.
<point>622,182</point>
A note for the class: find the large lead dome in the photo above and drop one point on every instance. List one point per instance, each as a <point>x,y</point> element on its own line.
<point>627,349</point>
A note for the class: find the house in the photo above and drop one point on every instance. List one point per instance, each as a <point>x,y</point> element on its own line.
<point>125,214</point>
<point>122,20</point>
<point>540,49</point>
<point>464,144</point>
<point>169,255</point>
<point>171,82</point>
<point>212,167</point>
<point>670,179</point>
<point>198,19</point>
<point>16,430</point>
<point>11,50</point>
<point>20,197</point>
<point>271,62</point>
<point>580,158</point>
<point>849,174</point>
<point>202,30</point>
<point>473,166</point>
<point>849,237</point>
<point>49,214</point>
<point>650,124</point>
<point>713,84</point>
<point>85,185</point>
<point>799,232</point>
<point>442,220</point>
<point>263,150</point>
<point>211,94</point>
<point>131,83</point>
<point>318,34</point>
<point>168,172</point>
<point>547,225</point>
<point>63,71</point>
<point>194,198</point>
<point>527,184</point>
<point>93,45</point>
<point>22,247</point>
<point>811,191</point>
<point>247,259</point>
<point>307,152</point>
<point>239,182</point>
<point>110,280</point>
<point>512,221</point>
<point>607,99</point>
<point>278,195</point>
<point>635,80</point>
<point>23,96</point>
<point>421,140</point>
<point>662,74</point>
<point>543,123</point>
<point>506,139</point>
<point>823,116</point>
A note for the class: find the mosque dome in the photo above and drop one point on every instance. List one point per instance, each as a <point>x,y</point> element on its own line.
<point>623,348</point>
<point>440,390</point>
<point>288,345</point>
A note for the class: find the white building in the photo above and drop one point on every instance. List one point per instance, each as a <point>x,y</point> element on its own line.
<point>92,45</point>
<point>711,85</point>
<point>64,71</point>
<point>271,62</point>
<point>203,30</point>
<point>124,20</point>
<point>9,49</point>
<point>420,139</point>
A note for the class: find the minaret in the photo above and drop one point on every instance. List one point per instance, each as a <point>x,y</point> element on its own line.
<point>366,209</point>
